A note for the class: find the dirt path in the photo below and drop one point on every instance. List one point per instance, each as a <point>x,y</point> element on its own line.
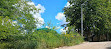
<point>90,45</point>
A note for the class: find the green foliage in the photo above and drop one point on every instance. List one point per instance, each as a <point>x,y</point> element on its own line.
<point>72,39</point>
<point>6,28</point>
<point>22,42</point>
<point>19,10</point>
<point>97,16</point>
<point>43,40</point>
<point>13,36</point>
<point>7,9</point>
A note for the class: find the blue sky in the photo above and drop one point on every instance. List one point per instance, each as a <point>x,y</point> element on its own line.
<point>52,9</point>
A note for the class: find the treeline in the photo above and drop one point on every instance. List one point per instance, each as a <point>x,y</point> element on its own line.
<point>18,29</point>
<point>96,18</point>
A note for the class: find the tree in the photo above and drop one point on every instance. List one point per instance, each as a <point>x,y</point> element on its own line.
<point>96,16</point>
<point>15,17</point>
<point>7,29</point>
<point>16,11</point>
<point>19,11</point>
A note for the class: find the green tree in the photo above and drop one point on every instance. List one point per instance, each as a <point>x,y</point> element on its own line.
<point>97,16</point>
<point>10,32</point>
<point>20,11</point>
<point>7,29</point>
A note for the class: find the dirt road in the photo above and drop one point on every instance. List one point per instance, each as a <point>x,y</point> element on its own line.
<point>90,45</point>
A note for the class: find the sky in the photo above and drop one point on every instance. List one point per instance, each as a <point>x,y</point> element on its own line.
<point>51,11</point>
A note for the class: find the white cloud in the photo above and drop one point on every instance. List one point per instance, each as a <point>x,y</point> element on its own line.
<point>61,17</point>
<point>42,9</point>
<point>67,4</point>
<point>37,15</point>
<point>30,3</point>
<point>39,18</point>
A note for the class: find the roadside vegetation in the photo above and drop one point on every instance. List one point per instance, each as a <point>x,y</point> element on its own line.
<point>18,29</point>
<point>39,39</point>
<point>96,18</point>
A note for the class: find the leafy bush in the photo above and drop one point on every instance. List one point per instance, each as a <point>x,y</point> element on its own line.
<point>42,39</point>
<point>72,39</point>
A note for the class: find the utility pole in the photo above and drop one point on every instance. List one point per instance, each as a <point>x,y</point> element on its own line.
<point>81,20</point>
<point>82,16</point>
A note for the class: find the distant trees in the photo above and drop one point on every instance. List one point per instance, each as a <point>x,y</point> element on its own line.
<point>97,17</point>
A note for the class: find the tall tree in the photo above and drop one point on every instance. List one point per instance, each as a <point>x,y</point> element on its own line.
<point>97,16</point>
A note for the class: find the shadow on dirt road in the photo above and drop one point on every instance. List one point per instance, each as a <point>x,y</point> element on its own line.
<point>108,47</point>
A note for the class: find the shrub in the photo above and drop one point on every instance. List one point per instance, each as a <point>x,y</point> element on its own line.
<point>42,39</point>
<point>72,39</point>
